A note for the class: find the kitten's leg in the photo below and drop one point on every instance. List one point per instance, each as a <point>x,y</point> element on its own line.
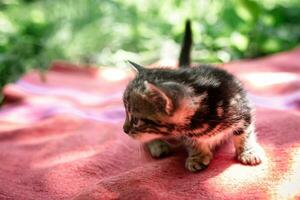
<point>199,155</point>
<point>248,151</point>
<point>159,148</point>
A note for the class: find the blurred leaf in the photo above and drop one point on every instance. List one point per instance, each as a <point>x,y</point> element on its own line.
<point>239,40</point>
<point>248,10</point>
<point>271,45</point>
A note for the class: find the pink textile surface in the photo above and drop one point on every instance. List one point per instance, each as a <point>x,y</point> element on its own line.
<point>63,139</point>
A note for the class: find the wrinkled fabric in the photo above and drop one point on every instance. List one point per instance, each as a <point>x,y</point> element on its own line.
<point>63,139</point>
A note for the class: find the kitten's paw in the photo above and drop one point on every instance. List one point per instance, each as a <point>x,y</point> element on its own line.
<point>253,156</point>
<point>159,149</point>
<point>197,163</point>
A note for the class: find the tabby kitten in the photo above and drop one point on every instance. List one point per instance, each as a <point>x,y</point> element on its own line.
<point>200,106</point>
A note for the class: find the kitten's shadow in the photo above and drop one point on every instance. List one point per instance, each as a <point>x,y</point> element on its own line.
<point>174,165</point>
<point>159,176</point>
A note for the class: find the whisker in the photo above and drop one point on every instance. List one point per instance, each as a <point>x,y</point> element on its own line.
<point>140,151</point>
<point>216,120</point>
<point>208,120</point>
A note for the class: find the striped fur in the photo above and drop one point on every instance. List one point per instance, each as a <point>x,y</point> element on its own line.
<point>201,106</point>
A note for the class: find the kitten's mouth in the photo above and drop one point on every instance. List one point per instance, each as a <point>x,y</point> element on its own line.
<point>144,137</point>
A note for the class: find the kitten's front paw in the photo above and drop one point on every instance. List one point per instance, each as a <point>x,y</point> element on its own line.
<point>198,162</point>
<point>159,149</point>
<point>253,156</point>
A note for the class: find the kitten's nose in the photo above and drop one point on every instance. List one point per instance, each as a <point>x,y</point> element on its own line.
<point>126,128</point>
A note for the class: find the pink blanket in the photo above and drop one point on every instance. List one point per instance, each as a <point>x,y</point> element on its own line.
<point>63,139</point>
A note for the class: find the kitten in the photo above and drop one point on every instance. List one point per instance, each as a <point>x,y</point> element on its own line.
<point>201,106</point>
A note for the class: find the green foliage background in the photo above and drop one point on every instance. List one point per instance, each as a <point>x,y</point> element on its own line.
<point>105,32</point>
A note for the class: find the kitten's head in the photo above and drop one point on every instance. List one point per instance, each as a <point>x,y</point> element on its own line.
<point>150,106</point>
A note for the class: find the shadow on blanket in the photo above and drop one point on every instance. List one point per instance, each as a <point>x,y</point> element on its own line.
<point>63,140</point>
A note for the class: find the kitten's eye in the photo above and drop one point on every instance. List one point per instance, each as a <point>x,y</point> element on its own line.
<point>135,121</point>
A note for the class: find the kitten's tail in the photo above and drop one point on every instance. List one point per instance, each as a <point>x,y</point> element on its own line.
<point>184,57</point>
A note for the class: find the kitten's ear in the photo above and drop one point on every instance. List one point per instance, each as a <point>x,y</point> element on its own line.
<point>138,68</point>
<point>158,96</point>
